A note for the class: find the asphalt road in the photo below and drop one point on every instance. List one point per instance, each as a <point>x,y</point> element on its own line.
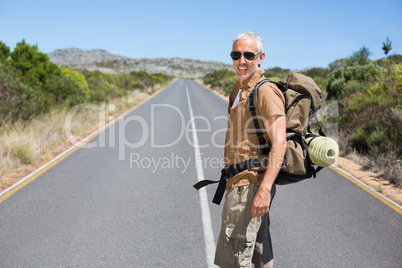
<point>125,199</point>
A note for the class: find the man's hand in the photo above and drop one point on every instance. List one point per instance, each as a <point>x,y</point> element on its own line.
<point>260,205</point>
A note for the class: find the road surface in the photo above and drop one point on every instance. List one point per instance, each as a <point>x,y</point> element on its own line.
<point>125,199</point>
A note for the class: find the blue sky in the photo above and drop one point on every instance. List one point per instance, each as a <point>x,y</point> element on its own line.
<point>297,34</point>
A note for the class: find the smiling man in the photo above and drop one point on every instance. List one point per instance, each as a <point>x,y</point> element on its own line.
<point>244,237</point>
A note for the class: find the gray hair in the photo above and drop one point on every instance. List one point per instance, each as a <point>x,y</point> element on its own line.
<point>248,35</point>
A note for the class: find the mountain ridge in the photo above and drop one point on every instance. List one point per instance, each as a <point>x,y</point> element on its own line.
<point>102,60</point>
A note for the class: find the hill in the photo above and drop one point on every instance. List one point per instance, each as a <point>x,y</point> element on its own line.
<point>98,59</point>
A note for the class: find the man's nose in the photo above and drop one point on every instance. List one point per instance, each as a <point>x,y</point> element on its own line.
<point>242,59</point>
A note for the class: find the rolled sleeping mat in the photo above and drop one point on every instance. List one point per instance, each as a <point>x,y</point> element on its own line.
<point>323,151</point>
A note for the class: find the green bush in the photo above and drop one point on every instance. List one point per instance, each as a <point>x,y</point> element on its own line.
<point>276,73</point>
<point>321,82</point>
<point>80,78</point>
<point>102,88</point>
<point>159,78</point>
<point>125,81</point>
<point>397,59</point>
<point>4,52</point>
<point>360,57</point>
<point>337,87</point>
<point>97,96</point>
<point>115,85</point>
<point>222,79</point>
<point>138,85</point>
<point>30,84</point>
<point>19,100</point>
<point>65,90</point>
<point>369,138</point>
<point>144,77</point>
<point>316,72</point>
<point>373,118</point>
<point>34,66</point>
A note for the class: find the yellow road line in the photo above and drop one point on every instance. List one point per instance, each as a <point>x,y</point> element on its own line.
<point>32,176</point>
<point>368,189</point>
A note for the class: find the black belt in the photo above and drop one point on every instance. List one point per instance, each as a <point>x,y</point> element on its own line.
<point>226,173</point>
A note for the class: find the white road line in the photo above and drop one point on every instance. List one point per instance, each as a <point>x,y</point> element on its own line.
<point>206,215</point>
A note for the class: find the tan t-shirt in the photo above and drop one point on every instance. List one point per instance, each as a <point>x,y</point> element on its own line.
<point>241,141</point>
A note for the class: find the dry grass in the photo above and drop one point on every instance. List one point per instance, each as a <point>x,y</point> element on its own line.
<point>387,166</point>
<point>24,143</point>
<point>29,142</point>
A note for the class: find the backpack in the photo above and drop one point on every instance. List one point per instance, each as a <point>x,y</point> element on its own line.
<point>302,98</point>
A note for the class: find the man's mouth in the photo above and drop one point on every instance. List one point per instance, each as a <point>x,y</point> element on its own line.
<point>242,68</point>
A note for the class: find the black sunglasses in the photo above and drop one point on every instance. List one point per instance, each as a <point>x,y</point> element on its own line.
<point>250,56</point>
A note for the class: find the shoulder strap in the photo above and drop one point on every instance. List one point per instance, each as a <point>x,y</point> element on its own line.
<point>263,143</point>
<point>259,132</point>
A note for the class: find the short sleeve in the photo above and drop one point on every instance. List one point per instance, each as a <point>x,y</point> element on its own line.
<point>270,101</point>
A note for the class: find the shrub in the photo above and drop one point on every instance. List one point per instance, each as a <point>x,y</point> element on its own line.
<point>4,51</point>
<point>65,90</point>
<point>321,82</point>
<point>159,78</point>
<point>80,78</point>
<point>144,77</point>
<point>276,73</point>
<point>34,66</point>
<point>395,58</point>
<point>19,100</point>
<point>100,89</point>
<point>370,139</point>
<point>222,79</point>
<point>316,72</point>
<point>373,119</point>
<point>337,81</point>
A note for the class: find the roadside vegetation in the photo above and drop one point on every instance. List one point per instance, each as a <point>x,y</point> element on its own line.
<point>36,95</point>
<point>368,96</point>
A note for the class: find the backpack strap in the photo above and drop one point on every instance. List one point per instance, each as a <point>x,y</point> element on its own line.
<point>263,143</point>
<point>320,130</point>
<point>226,173</point>
<point>313,136</point>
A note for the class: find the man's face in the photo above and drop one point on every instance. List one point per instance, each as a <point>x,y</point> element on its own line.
<point>243,67</point>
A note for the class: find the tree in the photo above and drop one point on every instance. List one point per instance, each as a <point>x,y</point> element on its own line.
<point>387,46</point>
<point>34,66</point>
<point>4,51</point>
<point>361,57</point>
<point>19,100</point>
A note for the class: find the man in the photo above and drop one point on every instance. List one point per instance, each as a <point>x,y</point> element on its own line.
<point>244,236</point>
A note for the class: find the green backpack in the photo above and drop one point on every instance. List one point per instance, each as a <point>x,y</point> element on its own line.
<point>302,99</point>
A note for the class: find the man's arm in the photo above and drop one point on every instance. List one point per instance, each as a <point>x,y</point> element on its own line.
<point>276,130</point>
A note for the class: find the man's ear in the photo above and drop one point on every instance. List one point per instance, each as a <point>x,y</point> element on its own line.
<point>261,59</point>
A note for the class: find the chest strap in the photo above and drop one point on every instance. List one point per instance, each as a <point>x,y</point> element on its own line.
<point>226,173</point>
